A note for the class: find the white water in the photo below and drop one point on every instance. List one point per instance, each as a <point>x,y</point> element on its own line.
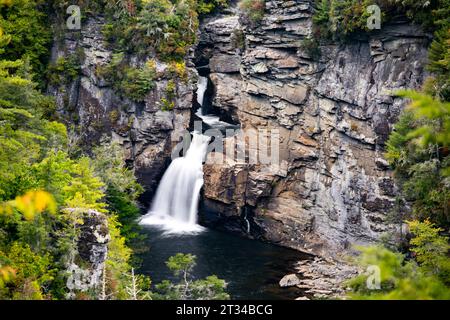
<point>201,89</point>
<point>176,202</point>
<point>211,120</point>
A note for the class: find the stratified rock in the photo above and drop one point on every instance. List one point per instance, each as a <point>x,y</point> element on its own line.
<point>332,189</point>
<point>321,278</point>
<point>146,132</point>
<point>86,266</point>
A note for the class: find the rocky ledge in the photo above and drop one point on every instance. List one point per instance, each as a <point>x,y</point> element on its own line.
<point>320,278</point>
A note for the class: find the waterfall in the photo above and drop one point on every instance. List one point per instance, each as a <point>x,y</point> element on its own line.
<point>211,120</point>
<point>176,202</point>
<point>202,86</point>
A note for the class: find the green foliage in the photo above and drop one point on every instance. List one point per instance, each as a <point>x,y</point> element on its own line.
<point>208,6</point>
<point>64,70</point>
<point>418,151</point>
<point>312,47</point>
<point>338,19</point>
<point>169,26</point>
<point>210,288</point>
<point>168,103</point>
<point>108,162</point>
<point>181,264</point>
<point>400,279</point>
<point>439,63</point>
<point>133,83</point>
<point>72,182</point>
<point>238,39</point>
<point>117,265</point>
<point>122,189</point>
<point>32,274</point>
<point>38,233</point>
<point>178,70</point>
<point>27,26</point>
<point>25,133</point>
<point>431,249</point>
<point>253,10</point>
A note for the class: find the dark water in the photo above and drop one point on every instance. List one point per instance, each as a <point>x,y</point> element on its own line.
<point>252,269</point>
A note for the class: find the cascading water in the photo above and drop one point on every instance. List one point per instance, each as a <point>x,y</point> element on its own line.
<point>211,120</point>
<point>201,90</point>
<point>176,202</point>
<point>175,205</point>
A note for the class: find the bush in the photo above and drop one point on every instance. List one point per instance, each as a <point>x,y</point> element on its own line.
<point>208,6</point>
<point>64,70</point>
<point>182,265</point>
<point>27,25</point>
<point>399,278</point>
<point>338,19</point>
<point>312,47</point>
<point>253,10</point>
<point>133,83</point>
<point>168,102</point>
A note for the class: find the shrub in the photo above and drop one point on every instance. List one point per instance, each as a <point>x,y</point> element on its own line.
<point>253,10</point>
<point>168,103</point>
<point>178,69</point>
<point>64,70</point>
<point>131,82</point>
<point>238,39</point>
<point>210,288</point>
<point>312,47</point>
<point>208,6</point>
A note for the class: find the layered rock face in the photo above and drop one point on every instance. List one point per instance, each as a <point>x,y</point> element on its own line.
<point>332,188</point>
<point>86,267</point>
<point>146,133</point>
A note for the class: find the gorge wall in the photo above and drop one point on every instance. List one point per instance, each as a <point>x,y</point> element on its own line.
<point>334,115</point>
<point>94,109</point>
<point>333,188</point>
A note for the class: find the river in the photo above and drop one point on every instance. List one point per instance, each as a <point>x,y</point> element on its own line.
<point>251,268</point>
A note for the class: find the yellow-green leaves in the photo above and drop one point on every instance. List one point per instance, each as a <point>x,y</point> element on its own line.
<point>436,130</point>
<point>30,204</point>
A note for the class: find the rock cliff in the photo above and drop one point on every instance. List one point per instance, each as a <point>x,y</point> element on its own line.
<point>86,265</point>
<point>93,108</point>
<point>332,188</point>
<point>333,114</point>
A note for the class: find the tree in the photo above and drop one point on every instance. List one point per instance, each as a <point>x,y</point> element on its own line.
<point>28,27</point>
<point>400,279</point>
<point>431,249</point>
<point>182,265</point>
<point>253,10</point>
<point>418,151</point>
